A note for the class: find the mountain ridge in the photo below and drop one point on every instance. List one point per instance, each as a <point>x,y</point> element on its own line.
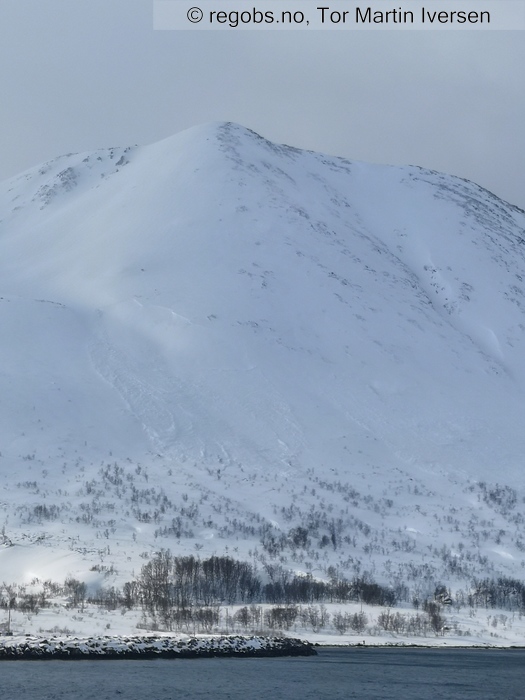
<point>245,321</point>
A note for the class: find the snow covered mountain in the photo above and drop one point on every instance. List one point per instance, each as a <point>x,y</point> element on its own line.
<point>212,341</point>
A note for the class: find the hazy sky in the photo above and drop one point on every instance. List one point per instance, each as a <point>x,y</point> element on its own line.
<point>81,74</point>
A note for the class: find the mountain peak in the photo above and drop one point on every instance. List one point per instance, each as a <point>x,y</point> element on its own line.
<point>261,319</point>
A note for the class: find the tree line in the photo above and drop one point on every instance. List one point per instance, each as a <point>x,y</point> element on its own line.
<point>169,581</point>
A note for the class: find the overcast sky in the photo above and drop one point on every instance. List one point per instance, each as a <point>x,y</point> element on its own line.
<point>77,75</point>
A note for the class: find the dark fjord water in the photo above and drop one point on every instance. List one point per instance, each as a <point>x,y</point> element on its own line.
<point>366,674</point>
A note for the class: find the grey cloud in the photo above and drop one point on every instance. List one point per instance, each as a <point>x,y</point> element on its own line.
<point>82,75</point>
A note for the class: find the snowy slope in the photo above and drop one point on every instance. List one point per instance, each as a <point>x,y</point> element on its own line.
<point>269,333</point>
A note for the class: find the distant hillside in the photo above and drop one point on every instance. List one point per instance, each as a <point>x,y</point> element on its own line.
<point>220,345</point>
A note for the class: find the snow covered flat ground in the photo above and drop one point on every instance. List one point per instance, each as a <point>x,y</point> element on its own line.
<point>463,628</point>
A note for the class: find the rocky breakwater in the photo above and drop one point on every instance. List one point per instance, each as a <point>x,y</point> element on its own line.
<point>149,646</point>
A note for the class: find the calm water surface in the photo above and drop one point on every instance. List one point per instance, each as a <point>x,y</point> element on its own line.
<point>367,674</point>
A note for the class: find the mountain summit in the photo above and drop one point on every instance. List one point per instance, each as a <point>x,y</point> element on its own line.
<point>252,320</point>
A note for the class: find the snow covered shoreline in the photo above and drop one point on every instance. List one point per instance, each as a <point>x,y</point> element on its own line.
<point>183,647</point>
<point>123,647</point>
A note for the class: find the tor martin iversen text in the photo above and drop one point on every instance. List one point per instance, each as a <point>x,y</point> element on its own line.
<point>369,15</point>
